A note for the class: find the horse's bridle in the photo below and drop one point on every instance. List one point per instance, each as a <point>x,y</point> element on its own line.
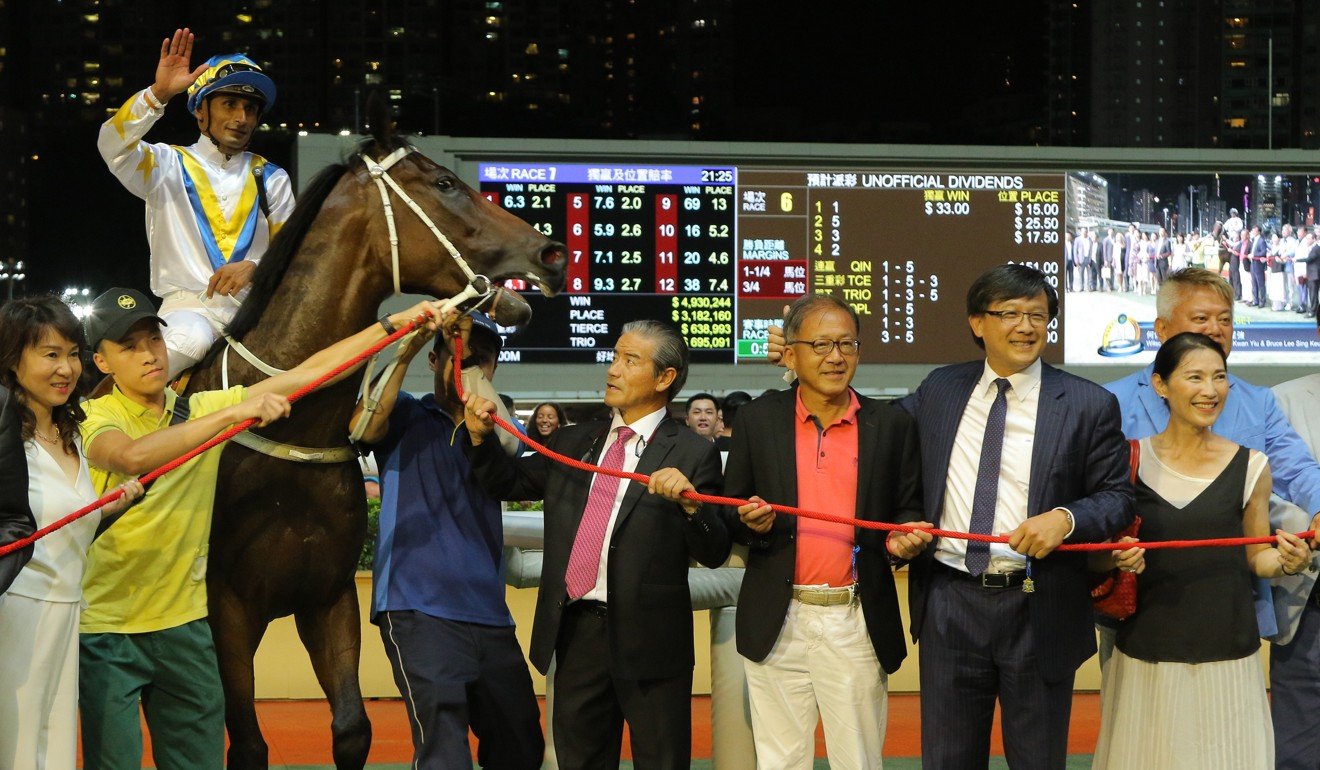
<point>478,286</point>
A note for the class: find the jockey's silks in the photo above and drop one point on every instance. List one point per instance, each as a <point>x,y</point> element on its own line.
<point>226,239</point>
<point>192,232</point>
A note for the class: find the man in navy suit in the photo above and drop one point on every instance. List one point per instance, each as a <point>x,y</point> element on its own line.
<point>1010,446</point>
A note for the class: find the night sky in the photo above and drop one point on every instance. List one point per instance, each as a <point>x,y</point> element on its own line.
<point>868,72</point>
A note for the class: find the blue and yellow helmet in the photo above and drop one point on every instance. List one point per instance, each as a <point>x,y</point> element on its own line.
<point>232,73</point>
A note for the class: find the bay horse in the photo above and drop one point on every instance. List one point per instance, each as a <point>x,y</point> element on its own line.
<point>285,536</point>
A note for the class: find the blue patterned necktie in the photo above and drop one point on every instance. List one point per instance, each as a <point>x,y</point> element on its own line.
<point>987,482</point>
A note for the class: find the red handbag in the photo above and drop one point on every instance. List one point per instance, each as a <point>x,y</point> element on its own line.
<point>1116,595</point>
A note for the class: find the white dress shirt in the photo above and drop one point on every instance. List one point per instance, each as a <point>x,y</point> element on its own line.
<point>643,429</point>
<point>55,572</point>
<point>155,173</point>
<point>1022,400</point>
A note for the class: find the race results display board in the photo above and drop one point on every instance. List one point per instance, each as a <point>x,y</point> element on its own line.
<point>720,250</point>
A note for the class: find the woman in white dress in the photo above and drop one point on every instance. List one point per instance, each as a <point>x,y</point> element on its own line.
<point>1184,688</point>
<point>40,343</point>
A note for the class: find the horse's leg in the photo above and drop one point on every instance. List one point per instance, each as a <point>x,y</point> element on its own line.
<point>333,638</point>
<point>238,630</point>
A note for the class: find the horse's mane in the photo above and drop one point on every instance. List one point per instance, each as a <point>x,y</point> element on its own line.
<point>275,262</point>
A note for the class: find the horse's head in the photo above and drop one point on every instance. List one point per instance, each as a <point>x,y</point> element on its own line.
<point>493,242</point>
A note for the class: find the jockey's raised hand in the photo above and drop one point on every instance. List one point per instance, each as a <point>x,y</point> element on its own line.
<point>174,71</point>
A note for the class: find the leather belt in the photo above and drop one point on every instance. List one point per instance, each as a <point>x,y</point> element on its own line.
<point>986,579</point>
<point>826,597</point>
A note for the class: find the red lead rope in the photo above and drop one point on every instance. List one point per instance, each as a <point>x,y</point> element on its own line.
<point>229,433</point>
<point>880,525</point>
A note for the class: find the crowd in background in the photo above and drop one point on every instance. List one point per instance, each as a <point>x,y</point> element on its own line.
<point>1277,270</point>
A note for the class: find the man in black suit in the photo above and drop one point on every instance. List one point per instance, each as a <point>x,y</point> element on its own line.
<point>1260,249</point>
<point>16,520</point>
<point>818,618</point>
<point>614,610</point>
<point>1013,446</point>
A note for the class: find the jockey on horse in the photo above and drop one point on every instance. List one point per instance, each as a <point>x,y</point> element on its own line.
<point>212,207</point>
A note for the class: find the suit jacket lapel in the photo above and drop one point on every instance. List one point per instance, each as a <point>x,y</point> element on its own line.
<point>785,450</point>
<point>868,425</point>
<point>652,459</point>
<point>591,454</point>
<point>947,416</point>
<point>1051,413</point>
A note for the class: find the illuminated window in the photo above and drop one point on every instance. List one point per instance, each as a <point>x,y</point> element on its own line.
<point>1237,122</point>
<point>1237,63</point>
<point>244,18</point>
<point>532,49</point>
<point>91,66</point>
<point>1281,99</point>
<point>1237,21</point>
<point>1237,41</point>
<point>492,21</point>
<point>91,18</point>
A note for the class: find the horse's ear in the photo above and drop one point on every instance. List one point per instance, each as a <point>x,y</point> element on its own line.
<point>382,125</point>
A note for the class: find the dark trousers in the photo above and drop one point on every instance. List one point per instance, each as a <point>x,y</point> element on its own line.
<point>1235,276</point>
<point>455,675</point>
<point>1258,283</point>
<point>975,648</point>
<point>592,703</point>
<point>1294,693</point>
<point>1162,268</point>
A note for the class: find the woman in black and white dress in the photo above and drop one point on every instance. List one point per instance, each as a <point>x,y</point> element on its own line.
<point>1185,688</point>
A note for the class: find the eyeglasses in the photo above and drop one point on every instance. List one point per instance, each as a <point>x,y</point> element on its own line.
<point>1014,317</point>
<point>825,347</point>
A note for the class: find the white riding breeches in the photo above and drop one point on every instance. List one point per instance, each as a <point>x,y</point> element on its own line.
<point>193,325</point>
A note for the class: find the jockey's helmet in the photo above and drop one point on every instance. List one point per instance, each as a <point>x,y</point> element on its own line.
<point>232,73</point>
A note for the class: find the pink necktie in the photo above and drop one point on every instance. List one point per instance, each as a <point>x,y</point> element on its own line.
<point>584,561</point>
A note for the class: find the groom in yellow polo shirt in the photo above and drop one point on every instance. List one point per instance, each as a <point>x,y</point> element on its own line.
<point>144,633</point>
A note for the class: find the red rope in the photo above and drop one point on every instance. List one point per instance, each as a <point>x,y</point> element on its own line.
<point>224,436</point>
<point>864,524</point>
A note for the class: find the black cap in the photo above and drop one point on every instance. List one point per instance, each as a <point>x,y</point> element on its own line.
<point>114,313</point>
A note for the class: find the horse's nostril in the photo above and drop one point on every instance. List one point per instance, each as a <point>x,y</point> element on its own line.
<point>554,254</point>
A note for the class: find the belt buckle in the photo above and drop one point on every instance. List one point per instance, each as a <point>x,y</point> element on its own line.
<point>995,580</point>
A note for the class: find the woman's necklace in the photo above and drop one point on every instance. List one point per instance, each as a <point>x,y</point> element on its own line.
<point>47,439</point>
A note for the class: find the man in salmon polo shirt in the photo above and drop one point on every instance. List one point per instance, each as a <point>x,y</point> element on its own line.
<point>818,618</point>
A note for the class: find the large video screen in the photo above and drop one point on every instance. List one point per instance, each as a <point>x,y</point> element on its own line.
<point>720,250</point>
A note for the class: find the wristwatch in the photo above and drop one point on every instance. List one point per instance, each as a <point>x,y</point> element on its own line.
<point>386,325</point>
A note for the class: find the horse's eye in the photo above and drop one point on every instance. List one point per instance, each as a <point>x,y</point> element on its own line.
<point>444,183</point>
